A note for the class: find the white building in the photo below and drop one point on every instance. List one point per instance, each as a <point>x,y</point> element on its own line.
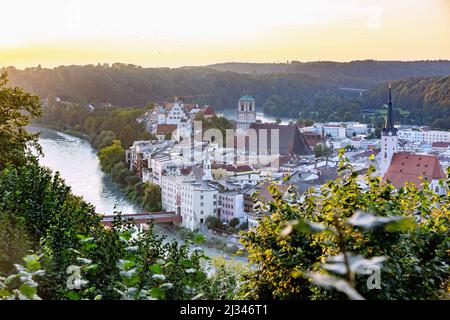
<point>176,114</point>
<point>158,164</point>
<point>231,205</point>
<point>335,131</point>
<point>171,185</point>
<point>198,201</point>
<point>428,136</point>
<point>356,128</point>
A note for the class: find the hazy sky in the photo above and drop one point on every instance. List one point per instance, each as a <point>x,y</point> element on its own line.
<point>199,32</point>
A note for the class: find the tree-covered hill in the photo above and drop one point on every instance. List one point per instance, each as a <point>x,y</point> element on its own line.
<point>294,90</point>
<point>129,85</point>
<point>426,100</point>
<point>361,73</point>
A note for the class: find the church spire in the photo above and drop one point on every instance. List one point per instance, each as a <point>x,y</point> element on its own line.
<point>389,126</point>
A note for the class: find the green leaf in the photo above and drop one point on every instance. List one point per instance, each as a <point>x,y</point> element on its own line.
<point>32,262</point>
<point>200,276</point>
<point>199,238</point>
<point>155,268</point>
<point>4,293</point>
<point>73,295</point>
<point>126,235</point>
<point>327,282</point>
<point>368,221</point>
<point>357,264</point>
<point>27,290</point>
<point>303,227</point>
<point>10,279</point>
<point>159,277</point>
<point>158,293</point>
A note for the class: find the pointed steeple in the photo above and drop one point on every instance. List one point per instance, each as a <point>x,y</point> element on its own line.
<point>207,166</point>
<point>389,126</point>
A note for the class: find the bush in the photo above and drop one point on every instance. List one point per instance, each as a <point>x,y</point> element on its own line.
<point>234,222</point>
<point>213,222</point>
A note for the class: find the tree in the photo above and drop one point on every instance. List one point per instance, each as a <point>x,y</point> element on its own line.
<point>151,199</point>
<point>111,155</point>
<point>305,122</point>
<point>322,151</point>
<point>104,139</point>
<point>120,173</point>
<point>213,222</point>
<point>16,110</point>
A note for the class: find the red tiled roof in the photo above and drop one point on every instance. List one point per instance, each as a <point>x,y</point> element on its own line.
<point>232,168</point>
<point>185,171</point>
<point>440,144</point>
<point>190,106</point>
<point>408,167</point>
<point>243,168</point>
<point>208,111</point>
<point>163,129</point>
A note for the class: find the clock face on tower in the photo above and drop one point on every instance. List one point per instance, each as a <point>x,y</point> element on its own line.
<point>250,116</point>
<point>242,116</point>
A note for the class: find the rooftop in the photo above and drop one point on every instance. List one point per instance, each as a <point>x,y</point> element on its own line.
<point>246,97</point>
<point>409,167</point>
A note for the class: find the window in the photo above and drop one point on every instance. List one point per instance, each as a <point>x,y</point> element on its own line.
<point>201,197</point>
<point>201,204</point>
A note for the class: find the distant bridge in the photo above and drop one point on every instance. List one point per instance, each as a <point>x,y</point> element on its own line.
<point>144,218</point>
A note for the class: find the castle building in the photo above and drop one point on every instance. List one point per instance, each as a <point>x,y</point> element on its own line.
<point>246,113</point>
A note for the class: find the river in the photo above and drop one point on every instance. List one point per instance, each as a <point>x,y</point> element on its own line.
<point>77,163</point>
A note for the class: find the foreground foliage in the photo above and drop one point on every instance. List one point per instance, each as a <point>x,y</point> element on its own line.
<point>316,241</point>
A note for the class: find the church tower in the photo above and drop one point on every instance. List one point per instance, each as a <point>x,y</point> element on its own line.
<point>389,139</point>
<point>246,113</point>
<point>207,166</point>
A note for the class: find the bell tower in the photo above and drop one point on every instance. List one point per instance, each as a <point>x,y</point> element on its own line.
<point>389,139</point>
<point>246,113</point>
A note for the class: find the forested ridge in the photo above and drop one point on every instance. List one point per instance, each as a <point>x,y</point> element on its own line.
<point>360,73</point>
<point>426,100</point>
<point>295,90</point>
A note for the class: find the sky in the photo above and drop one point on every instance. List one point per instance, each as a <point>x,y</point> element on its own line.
<point>174,33</point>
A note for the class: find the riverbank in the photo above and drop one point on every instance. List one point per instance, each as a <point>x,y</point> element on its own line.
<point>71,132</point>
<point>78,164</point>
